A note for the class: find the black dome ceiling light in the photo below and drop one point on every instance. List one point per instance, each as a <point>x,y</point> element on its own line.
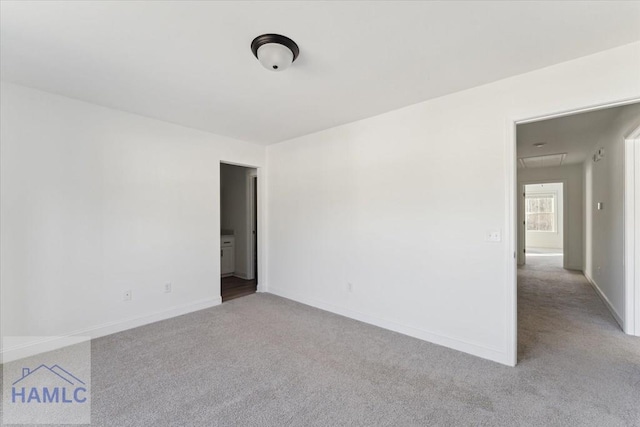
<point>275,52</point>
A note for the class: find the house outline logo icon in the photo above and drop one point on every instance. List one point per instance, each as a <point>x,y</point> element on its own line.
<point>54,384</point>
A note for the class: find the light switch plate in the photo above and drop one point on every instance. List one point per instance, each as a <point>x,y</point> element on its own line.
<point>494,236</point>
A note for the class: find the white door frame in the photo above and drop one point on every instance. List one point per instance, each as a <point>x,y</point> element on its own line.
<point>251,238</point>
<point>261,285</point>
<point>632,232</point>
<point>511,208</point>
<point>565,222</point>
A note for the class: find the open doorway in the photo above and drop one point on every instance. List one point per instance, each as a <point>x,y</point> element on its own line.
<point>238,231</point>
<point>570,179</point>
<point>543,224</point>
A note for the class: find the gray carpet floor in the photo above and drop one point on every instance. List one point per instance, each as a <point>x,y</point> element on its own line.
<point>262,360</point>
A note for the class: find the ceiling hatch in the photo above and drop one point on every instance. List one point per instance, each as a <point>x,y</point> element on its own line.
<point>548,160</point>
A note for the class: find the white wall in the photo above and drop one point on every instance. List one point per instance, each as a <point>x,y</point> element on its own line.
<point>399,206</point>
<point>96,201</point>
<point>548,239</point>
<point>573,176</point>
<point>235,215</point>
<point>604,233</point>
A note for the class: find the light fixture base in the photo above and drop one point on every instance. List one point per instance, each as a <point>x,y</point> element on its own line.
<point>274,38</point>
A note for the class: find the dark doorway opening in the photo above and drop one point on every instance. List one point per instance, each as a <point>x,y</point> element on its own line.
<point>238,231</point>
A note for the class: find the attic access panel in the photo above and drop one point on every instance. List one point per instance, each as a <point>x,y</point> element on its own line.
<point>545,161</point>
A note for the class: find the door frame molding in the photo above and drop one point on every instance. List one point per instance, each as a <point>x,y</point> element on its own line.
<point>251,237</point>
<point>632,232</point>
<point>260,211</point>
<point>511,213</point>
<point>565,219</point>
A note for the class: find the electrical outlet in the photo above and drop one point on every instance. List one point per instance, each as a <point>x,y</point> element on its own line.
<point>127,295</point>
<point>349,287</point>
<point>167,287</point>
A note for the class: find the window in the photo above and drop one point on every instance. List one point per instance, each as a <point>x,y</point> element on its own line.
<point>540,212</point>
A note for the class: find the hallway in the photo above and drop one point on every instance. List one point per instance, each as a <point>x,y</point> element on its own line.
<point>543,257</point>
<point>564,329</point>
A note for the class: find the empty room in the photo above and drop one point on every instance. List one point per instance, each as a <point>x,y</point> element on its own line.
<point>320,213</point>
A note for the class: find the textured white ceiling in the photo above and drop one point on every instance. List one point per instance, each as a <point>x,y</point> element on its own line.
<point>577,135</point>
<point>190,63</point>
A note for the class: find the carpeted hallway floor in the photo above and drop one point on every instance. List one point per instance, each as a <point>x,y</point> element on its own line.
<point>262,360</point>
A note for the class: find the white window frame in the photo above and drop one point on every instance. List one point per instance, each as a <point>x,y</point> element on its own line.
<point>546,194</point>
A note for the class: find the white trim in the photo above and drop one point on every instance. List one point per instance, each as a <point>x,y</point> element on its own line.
<point>565,220</point>
<point>250,274</point>
<point>637,238</point>
<point>632,232</point>
<point>476,349</point>
<point>511,236</point>
<point>262,270</point>
<point>546,194</point>
<point>52,343</point>
<point>605,300</point>
<point>564,113</point>
<point>262,231</point>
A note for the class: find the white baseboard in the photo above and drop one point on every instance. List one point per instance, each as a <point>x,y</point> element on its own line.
<point>485,352</point>
<point>261,287</point>
<point>605,300</point>
<point>53,343</point>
